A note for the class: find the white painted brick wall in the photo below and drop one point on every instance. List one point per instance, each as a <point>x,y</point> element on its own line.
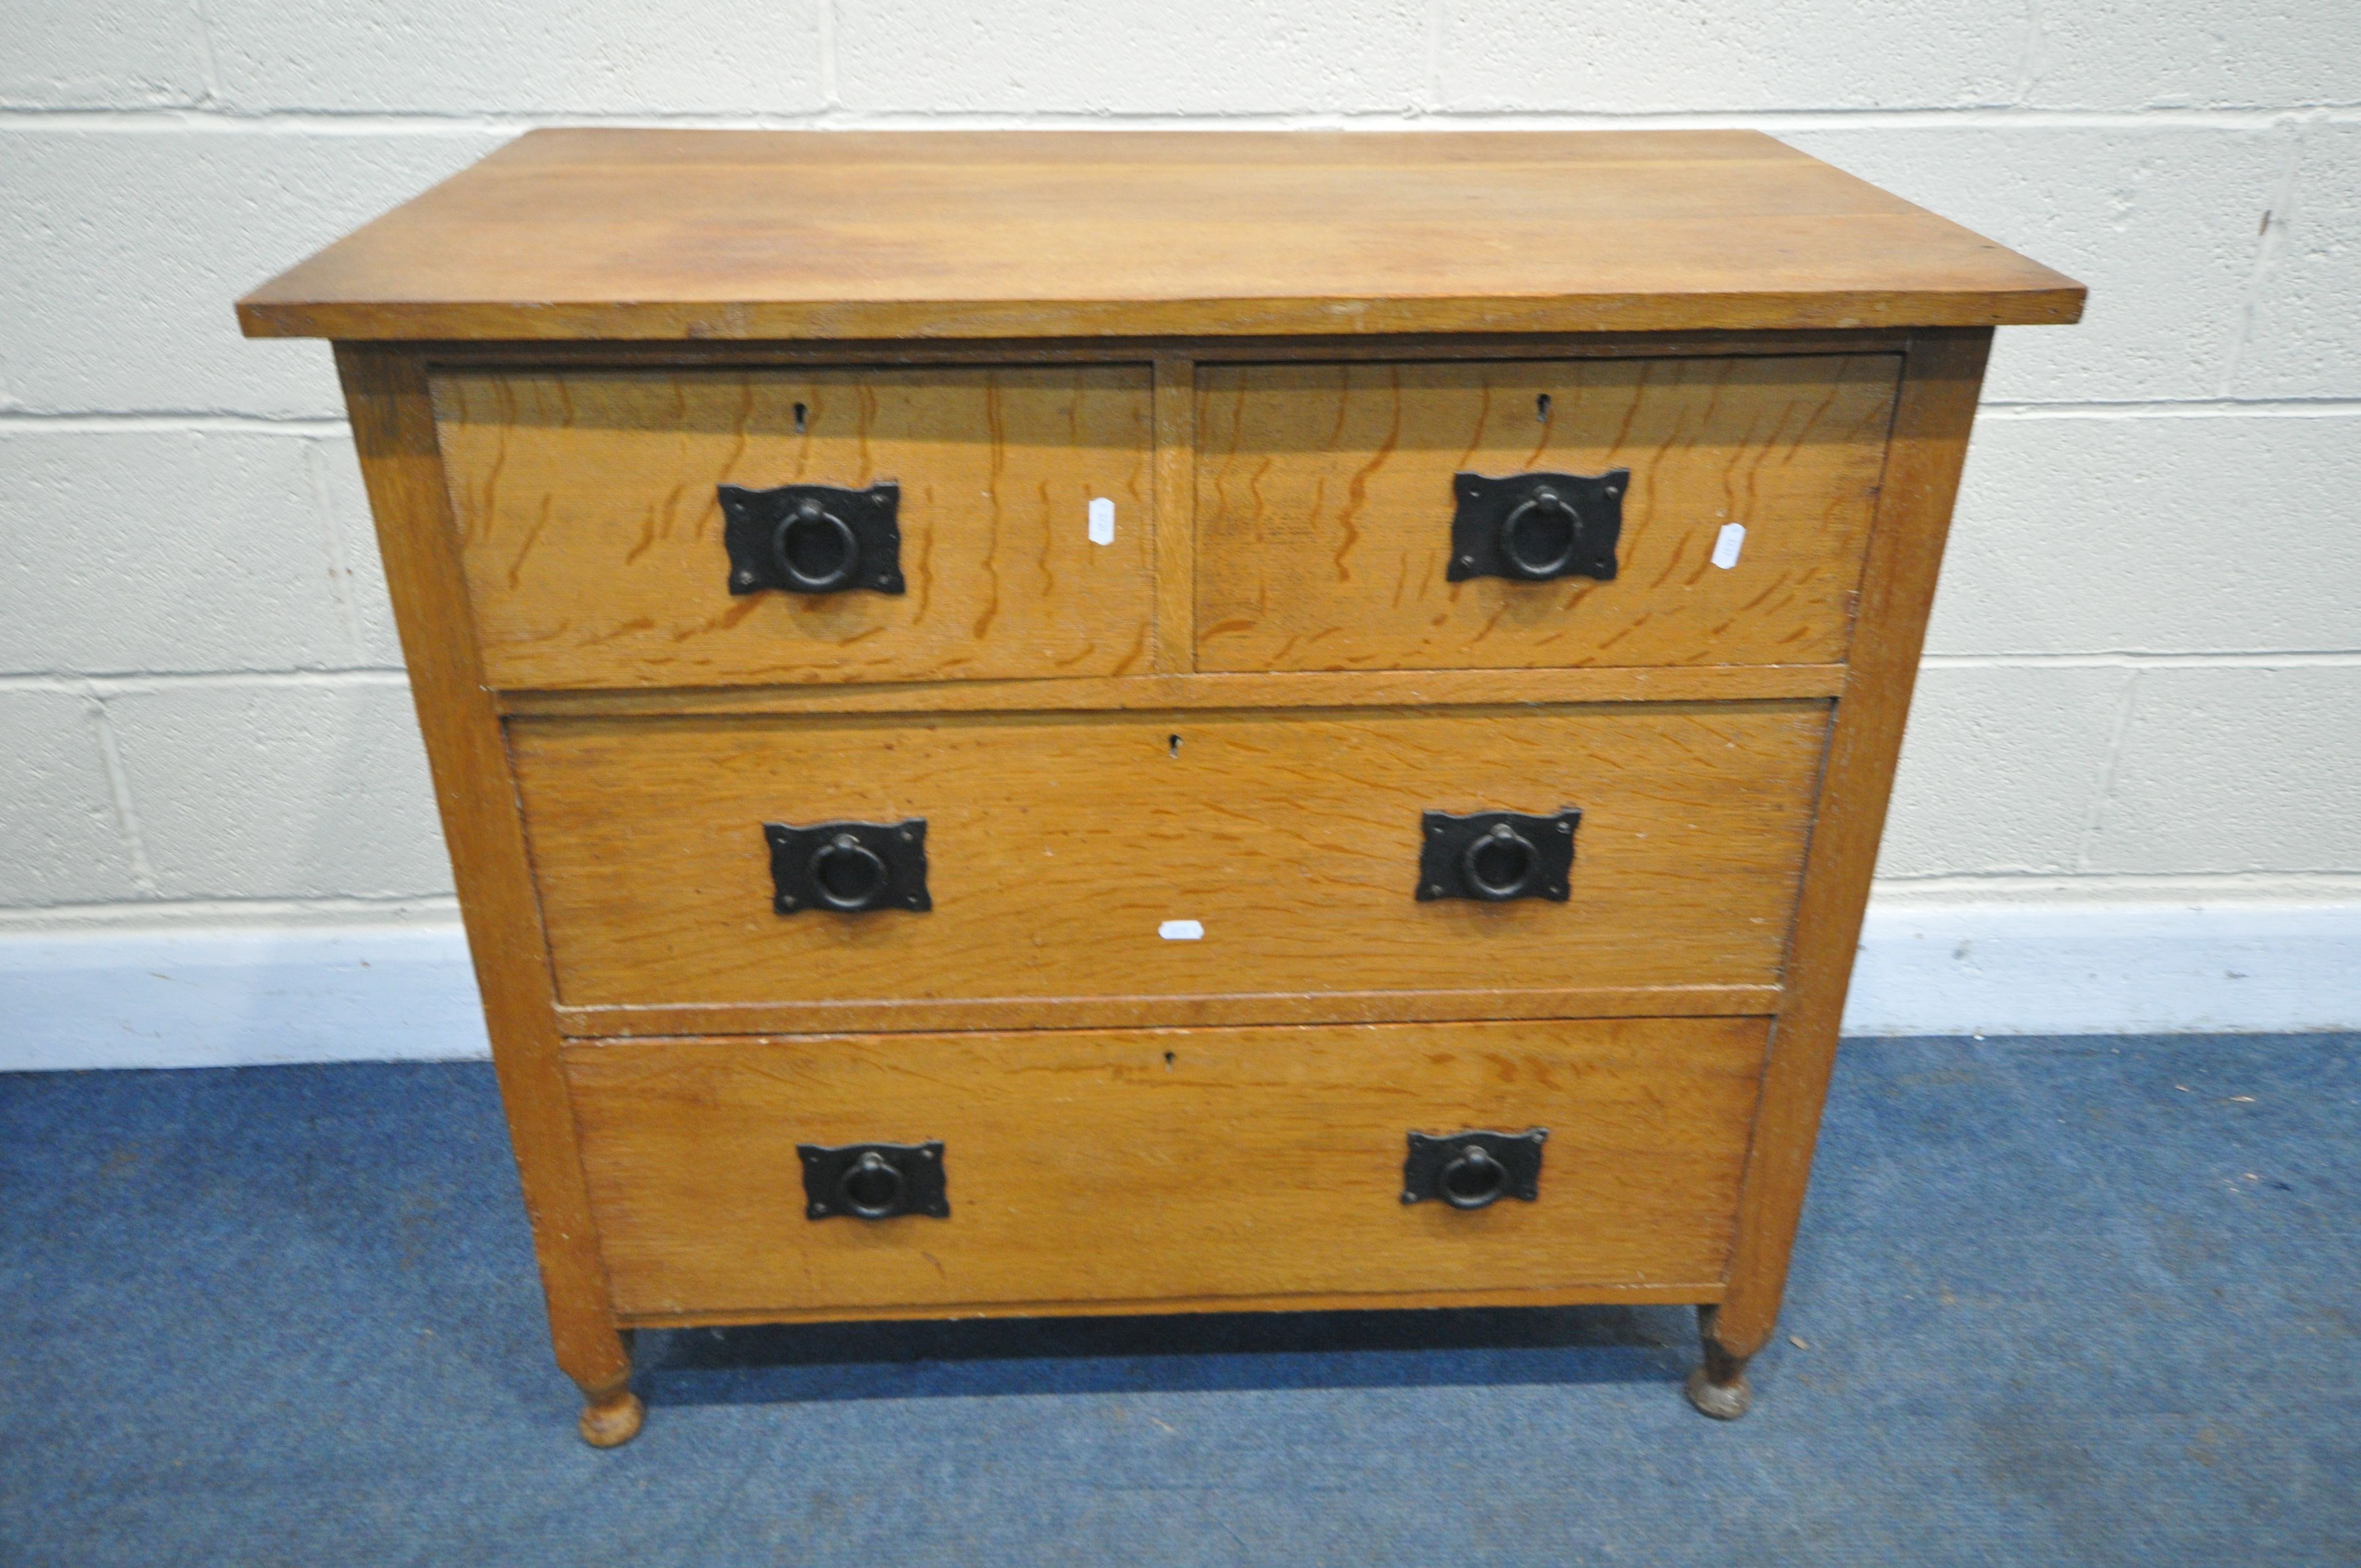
<point>2305,337</point>
<point>2002,769</point>
<point>2168,532</point>
<point>472,58</point>
<point>271,789</point>
<point>60,831</point>
<point>156,549</point>
<point>1022,58</point>
<point>1641,57</point>
<point>2235,769</point>
<point>122,243</point>
<point>2140,54</point>
<point>2145,671</point>
<point>2159,221</point>
<point>100,54</point>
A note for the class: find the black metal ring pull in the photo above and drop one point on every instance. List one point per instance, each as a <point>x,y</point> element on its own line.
<point>849,867</point>
<point>1473,1179</point>
<point>1474,1169</point>
<point>1494,856</point>
<point>1539,537</point>
<point>813,539</point>
<point>1501,864</point>
<point>847,873</point>
<point>1531,528</point>
<point>873,1181</point>
<point>872,1188</point>
<point>816,551</point>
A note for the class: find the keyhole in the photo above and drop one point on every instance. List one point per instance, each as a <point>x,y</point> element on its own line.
<point>1541,408</point>
<point>802,414</point>
<point>1172,744</point>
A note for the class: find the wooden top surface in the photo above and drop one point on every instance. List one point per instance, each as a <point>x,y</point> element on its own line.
<point>639,233</point>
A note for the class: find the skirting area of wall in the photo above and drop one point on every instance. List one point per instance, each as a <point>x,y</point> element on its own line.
<point>237,997</point>
<point>2107,969</point>
<point>113,999</point>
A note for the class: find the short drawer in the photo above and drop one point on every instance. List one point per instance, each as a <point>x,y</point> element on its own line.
<point>1197,867</point>
<point>594,539</point>
<point>1188,1168</point>
<point>1327,497</point>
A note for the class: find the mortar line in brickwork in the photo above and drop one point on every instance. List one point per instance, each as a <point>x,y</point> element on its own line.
<point>206,916</point>
<point>201,117</point>
<point>118,787</point>
<point>2279,200</point>
<point>129,682</point>
<point>305,427</point>
<point>212,916</point>
<point>2160,885</point>
<point>340,567</point>
<point>1432,77</point>
<point>358,677</point>
<point>205,54</point>
<point>2286,658</point>
<point>825,23</point>
<point>315,428</point>
<point>2094,822</point>
<point>2027,63</point>
<point>2193,408</point>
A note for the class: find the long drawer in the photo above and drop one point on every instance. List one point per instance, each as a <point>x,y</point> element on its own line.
<point>1260,866</point>
<point>595,540</point>
<point>1328,496</point>
<point>1189,1167</point>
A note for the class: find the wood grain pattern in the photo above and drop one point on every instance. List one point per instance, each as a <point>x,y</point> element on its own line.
<point>1314,688</point>
<point>1944,375</point>
<point>1687,1292</point>
<point>1271,351</point>
<point>1184,693</point>
<point>393,428</point>
<point>1176,513</point>
<point>624,353</point>
<point>653,234</point>
<point>1057,845</point>
<point>1167,1164</point>
<point>1325,505</point>
<point>1471,1003</point>
<point>592,537</point>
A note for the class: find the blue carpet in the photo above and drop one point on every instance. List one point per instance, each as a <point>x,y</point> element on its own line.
<point>2058,1302</point>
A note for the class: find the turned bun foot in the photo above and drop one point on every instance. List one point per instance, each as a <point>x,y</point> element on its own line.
<point>1722,1401</point>
<point>1719,1388</point>
<point>613,1420</point>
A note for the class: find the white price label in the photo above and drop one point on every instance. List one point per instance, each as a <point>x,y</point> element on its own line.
<point>1726,548</point>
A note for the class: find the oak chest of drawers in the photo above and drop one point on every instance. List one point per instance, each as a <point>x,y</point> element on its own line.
<point>1067,723</point>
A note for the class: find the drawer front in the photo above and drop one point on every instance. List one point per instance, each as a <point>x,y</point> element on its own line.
<point>1325,502</point>
<point>594,540</point>
<point>1060,849</point>
<point>1182,1166</point>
